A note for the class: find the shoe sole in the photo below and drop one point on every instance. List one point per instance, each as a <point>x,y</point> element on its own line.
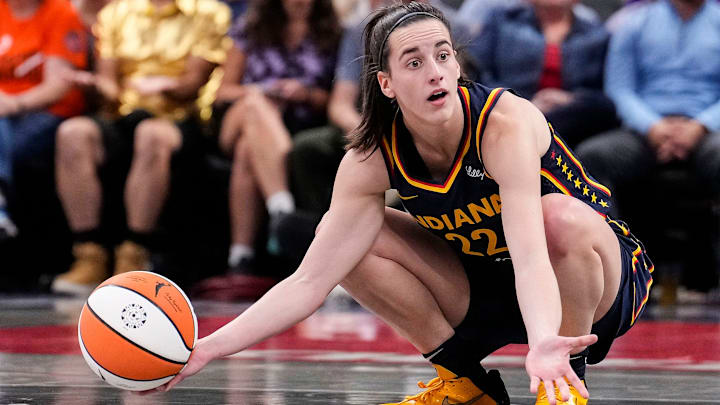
<point>74,289</point>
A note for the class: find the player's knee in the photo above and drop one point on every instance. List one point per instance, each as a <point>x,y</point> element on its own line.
<point>564,223</point>
<point>75,138</point>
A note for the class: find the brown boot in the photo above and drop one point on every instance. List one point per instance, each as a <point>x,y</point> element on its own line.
<point>88,270</point>
<point>130,257</point>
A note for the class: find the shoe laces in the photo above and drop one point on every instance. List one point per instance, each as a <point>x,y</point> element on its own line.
<point>431,386</point>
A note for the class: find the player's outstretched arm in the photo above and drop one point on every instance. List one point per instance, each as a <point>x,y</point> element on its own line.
<point>349,229</point>
<point>516,137</point>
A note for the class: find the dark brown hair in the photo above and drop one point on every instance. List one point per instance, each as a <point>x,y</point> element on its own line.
<point>266,22</point>
<point>377,110</point>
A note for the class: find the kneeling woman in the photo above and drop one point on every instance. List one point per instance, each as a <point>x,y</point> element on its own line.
<point>506,238</point>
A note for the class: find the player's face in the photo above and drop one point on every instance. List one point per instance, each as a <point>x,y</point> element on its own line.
<point>423,71</point>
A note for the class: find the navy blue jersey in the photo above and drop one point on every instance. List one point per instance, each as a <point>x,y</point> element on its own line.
<point>464,208</point>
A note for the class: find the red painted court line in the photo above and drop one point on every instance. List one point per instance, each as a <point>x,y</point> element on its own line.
<point>345,336</point>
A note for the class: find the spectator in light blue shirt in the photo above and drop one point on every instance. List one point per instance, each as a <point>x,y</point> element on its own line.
<point>663,73</point>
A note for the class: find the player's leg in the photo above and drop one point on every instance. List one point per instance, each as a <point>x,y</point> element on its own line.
<point>78,153</point>
<point>585,255</point>
<point>416,283</point>
<point>146,190</point>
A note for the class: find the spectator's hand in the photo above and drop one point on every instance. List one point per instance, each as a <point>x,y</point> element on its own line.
<point>152,85</point>
<point>549,99</point>
<point>79,77</point>
<point>660,138</point>
<point>199,358</point>
<point>688,135</point>
<point>289,90</point>
<point>549,362</point>
<point>8,105</point>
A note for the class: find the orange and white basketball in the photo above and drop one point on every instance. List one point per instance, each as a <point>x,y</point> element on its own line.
<point>137,330</point>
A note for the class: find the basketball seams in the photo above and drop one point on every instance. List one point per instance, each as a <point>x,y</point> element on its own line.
<point>92,311</point>
<point>182,338</point>
<point>187,300</point>
<point>116,375</point>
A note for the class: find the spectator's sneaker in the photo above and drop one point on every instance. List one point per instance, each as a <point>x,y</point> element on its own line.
<point>449,389</point>
<point>7,227</point>
<point>575,397</point>
<point>88,270</point>
<point>241,283</point>
<point>290,235</point>
<point>130,256</point>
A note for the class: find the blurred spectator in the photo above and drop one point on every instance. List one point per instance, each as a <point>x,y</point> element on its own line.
<point>663,72</point>
<point>473,14</point>
<point>38,40</point>
<point>552,56</point>
<point>276,83</point>
<point>154,57</point>
<point>88,10</point>
<point>238,7</point>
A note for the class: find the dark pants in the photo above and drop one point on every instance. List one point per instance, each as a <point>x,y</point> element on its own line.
<point>26,140</point>
<point>314,160</point>
<point>621,157</point>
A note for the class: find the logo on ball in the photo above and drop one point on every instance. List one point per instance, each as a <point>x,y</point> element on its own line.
<point>133,316</point>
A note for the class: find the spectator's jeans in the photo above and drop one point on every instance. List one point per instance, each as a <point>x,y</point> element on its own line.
<point>621,157</point>
<point>26,139</point>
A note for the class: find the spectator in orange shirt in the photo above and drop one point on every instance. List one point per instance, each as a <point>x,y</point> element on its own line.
<point>37,37</point>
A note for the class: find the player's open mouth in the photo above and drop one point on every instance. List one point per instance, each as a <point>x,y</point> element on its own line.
<point>437,95</point>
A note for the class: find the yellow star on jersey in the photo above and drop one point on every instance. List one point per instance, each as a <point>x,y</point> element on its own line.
<point>585,190</point>
<point>577,182</point>
<point>570,175</point>
<point>593,197</point>
<point>559,160</point>
<point>564,167</point>
<point>603,203</point>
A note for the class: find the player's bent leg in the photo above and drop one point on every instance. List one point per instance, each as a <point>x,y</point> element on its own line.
<point>585,255</point>
<point>416,283</point>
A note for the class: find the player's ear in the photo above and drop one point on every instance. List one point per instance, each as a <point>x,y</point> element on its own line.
<point>385,83</point>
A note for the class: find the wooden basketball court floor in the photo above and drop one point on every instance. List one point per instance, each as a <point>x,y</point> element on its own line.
<point>344,355</point>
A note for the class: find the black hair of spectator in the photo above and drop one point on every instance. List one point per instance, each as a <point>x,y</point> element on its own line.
<point>377,110</point>
<point>267,20</point>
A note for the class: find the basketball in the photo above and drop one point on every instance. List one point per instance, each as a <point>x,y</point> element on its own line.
<point>137,330</point>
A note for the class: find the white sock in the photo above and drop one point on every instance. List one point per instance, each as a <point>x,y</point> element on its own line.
<point>281,202</point>
<point>239,251</point>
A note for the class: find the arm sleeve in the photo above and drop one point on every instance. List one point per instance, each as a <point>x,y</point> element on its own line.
<point>66,38</point>
<point>212,44</point>
<point>621,84</point>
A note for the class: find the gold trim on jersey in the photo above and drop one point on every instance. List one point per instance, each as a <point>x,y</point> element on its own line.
<point>438,188</point>
<point>483,116</point>
<point>546,173</point>
<point>388,153</point>
<point>579,166</point>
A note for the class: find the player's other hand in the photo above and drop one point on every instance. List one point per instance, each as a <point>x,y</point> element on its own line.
<point>199,358</point>
<point>549,362</point>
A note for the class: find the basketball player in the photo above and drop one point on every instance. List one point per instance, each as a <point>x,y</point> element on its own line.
<point>506,238</point>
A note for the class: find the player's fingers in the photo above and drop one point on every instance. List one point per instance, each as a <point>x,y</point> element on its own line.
<point>581,341</point>
<point>173,382</point>
<point>578,384</point>
<point>550,390</point>
<point>562,386</point>
<point>534,383</point>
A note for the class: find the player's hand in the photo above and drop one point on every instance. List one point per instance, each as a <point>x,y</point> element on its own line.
<point>549,362</point>
<point>199,358</point>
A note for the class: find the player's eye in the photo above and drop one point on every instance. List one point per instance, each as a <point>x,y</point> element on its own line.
<point>415,63</point>
<point>444,56</point>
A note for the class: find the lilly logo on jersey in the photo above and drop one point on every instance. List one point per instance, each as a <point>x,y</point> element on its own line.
<point>474,172</point>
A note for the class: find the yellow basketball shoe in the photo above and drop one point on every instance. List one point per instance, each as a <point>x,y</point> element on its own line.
<point>130,256</point>
<point>449,389</point>
<point>575,397</point>
<point>87,271</point>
